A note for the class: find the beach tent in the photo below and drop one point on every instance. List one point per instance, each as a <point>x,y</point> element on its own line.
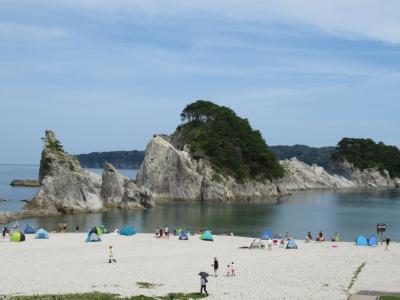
<point>206,236</point>
<point>361,241</point>
<point>92,237</point>
<point>373,241</point>
<point>29,230</point>
<point>127,230</point>
<point>99,230</point>
<point>183,236</point>
<point>266,235</point>
<point>41,234</point>
<point>291,244</point>
<point>257,244</point>
<point>17,236</point>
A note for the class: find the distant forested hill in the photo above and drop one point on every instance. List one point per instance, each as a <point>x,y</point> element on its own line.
<point>365,153</point>
<point>120,159</point>
<point>310,155</point>
<point>133,159</point>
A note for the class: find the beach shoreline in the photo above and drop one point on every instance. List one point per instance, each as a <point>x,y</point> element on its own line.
<point>65,264</point>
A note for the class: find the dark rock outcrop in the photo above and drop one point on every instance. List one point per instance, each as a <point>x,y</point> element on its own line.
<point>25,182</point>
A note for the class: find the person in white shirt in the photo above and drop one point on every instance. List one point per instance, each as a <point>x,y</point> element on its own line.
<point>111,255</point>
<point>269,244</point>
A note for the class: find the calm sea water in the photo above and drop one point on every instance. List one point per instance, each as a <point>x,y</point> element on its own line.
<point>350,213</point>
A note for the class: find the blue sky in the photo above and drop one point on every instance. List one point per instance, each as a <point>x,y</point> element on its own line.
<point>106,75</point>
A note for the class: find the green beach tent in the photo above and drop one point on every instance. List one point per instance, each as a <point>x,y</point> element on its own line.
<point>99,230</point>
<point>206,236</point>
<point>17,236</point>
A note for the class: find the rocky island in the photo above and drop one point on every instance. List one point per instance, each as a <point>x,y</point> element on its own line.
<point>214,155</point>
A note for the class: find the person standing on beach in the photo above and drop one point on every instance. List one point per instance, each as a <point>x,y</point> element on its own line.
<point>203,283</point>
<point>111,255</point>
<point>387,241</point>
<point>233,273</point>
<point>269,244</point>
<point>215,265</point>
<point>166,232</point>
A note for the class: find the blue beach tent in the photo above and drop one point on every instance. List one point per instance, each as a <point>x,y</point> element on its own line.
<point>29,230</point>
<point>291,244</point>
<point>93,238</point>
<point>127,230</point>
<point>41,234</point>
<point>373,241</point>
<point>207,236</point>
<point>266,235</point>
<point>183,236</point>
<point>361,241</point>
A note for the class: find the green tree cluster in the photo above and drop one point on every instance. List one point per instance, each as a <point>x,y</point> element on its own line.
<point>365,153</point>
<point>228,142</point>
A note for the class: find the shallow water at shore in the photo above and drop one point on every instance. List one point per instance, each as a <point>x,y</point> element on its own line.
<point>348,212</point>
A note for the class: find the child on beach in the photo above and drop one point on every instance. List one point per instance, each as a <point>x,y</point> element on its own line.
<point>111,255</point>
<point>233,269</point>
<point>270,244</point>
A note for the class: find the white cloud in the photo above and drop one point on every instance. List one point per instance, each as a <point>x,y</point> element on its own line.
<point>355,19</point>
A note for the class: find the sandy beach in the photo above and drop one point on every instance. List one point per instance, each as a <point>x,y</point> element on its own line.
<point>66,264</point>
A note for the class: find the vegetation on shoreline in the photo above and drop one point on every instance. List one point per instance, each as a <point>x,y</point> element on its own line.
<point>119,159</point>
<point>320,156</point>
<point>230,144</point>
<point>365,153</point>
<point>106,296</point>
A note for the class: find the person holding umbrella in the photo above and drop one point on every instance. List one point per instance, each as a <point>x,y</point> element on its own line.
<point>203,282</point>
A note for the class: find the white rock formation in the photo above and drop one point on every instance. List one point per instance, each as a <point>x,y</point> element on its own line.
<point>67,188</point>
<point>171,173</point>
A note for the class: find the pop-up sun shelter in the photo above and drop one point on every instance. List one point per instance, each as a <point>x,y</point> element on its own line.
<point>291,244</point>
<point>99,230</point>
<point>361,241</point>
<point>183,236</point>
<point>41,234</point>
<point>257,244</point>
<point>127,230</point>
<point>373,241</point>
<point>17,236</point>
<point>29,230</point>
<point>92,237</point>
<point>206,236</point>
<point>266,235</point>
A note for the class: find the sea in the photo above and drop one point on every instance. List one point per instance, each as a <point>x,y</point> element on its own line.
<point>350,213</point>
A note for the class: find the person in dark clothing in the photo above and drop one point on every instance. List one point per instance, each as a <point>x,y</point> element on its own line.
<point>5,230</point>
<point>387,241</point>
<point>203,282</point>
<point>215,265</point>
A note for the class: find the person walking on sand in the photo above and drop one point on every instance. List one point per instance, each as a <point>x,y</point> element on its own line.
<point>111,255</point>
<point>215,265</point>
<point>203,285</point>
<point>387,241</point>
<point>233,273</point>
<point>269,244</point>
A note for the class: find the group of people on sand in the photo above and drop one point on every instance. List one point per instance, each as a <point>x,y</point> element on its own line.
<point>230,271</point>
<point>320,237</point>
<point>162,232</point>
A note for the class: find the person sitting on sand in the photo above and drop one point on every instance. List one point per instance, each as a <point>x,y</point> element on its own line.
<point>161,233</point>
<point>157,231</point>
<point>320,237</point>
<point>309,236</point>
